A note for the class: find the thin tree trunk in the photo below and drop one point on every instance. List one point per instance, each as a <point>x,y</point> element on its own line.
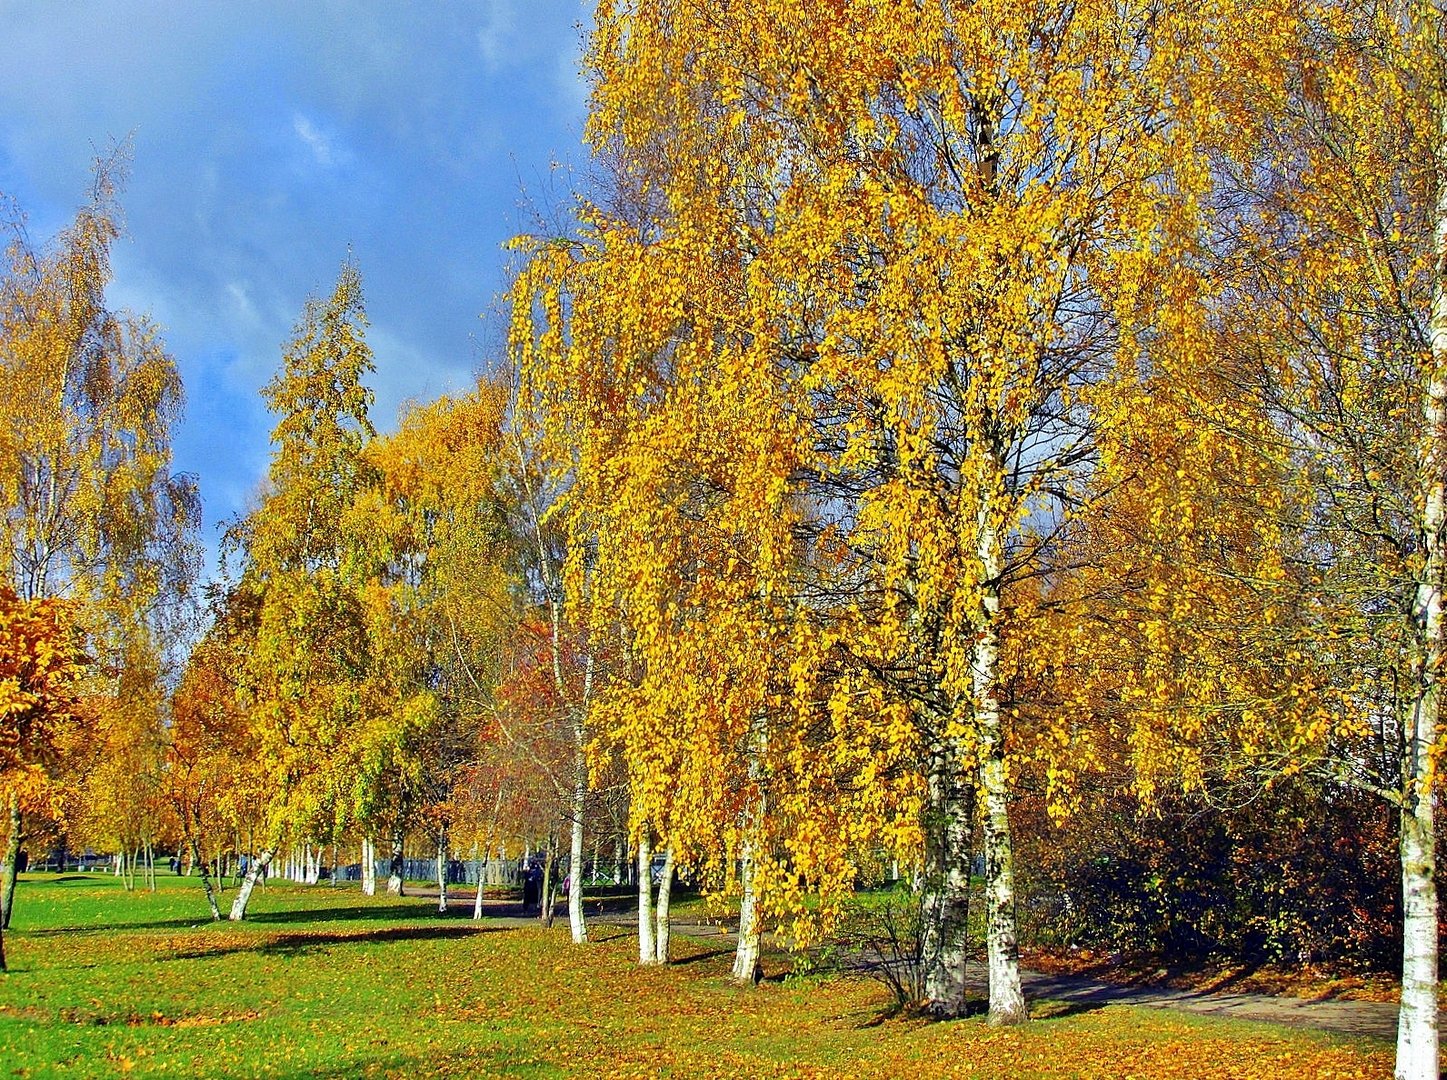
<point>1007,997</point>
<point>547,898</point>
<point>576,925</point>
<point>196,860</point>
<point>647,952</point>
<point>395,878</point>
<point>748,954</point>
<point>1002,943</point>
<point>369,866</point>
<point>485,871</point>
<point>1417,1035</point>
<point>442,874</point>
<point>255,872</point>
<point>945,885</point>
<point>662,926</point>
<point>12,862</point>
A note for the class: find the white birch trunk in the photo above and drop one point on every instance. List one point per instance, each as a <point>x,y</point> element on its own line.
<point>11,865</point>
<point>748,959</point>
<point>945,881</point>
<point>661,924</point>
<point>576,924</point>
<point>1417,1035</point>
<point>253,874</point>
<point>394,878</point>
<point>647,951</point>
<point>369,866</point>
<point>1002,948</point>
<point>748,953</point>
<point>195,852</point>
<point>442,876</point>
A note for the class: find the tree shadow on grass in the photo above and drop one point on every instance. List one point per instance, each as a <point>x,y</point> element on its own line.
<point>598,935</point>
<point>320,941</point>
<point>359,913</point>
<point>65,879</point>
<point>419,913</point>
<point>700,957</point>
<point>901,1010</point>
<point>200,919</point>
<point>1056,1009</point>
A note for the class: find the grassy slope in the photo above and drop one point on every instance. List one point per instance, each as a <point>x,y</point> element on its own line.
<point>327,982</point>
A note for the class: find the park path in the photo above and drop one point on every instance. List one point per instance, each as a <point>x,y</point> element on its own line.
<point>1372,1019</point>
<point>1376,1019</point>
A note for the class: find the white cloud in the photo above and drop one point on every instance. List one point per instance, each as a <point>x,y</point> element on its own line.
<point>495,37</point>
<point>324,149</point>
<point>268,137</point>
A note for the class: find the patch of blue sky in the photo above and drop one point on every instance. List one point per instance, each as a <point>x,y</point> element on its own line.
<point>271,138</point>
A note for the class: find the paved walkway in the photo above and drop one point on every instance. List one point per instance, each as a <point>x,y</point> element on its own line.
<point>1372,1019</point>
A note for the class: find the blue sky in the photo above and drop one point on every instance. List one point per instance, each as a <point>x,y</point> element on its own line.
<point>268,138</point>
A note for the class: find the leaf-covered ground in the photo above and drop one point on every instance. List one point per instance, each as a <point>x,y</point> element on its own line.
<point>326,982</point>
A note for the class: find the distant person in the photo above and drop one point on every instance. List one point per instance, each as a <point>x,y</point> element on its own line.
<point>175,865</point>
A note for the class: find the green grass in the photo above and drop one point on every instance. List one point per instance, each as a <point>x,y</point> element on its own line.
<point>323,981</point>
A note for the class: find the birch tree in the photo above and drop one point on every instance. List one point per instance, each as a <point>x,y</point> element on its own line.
<point>41,719</point>
<point>299,611</point>
<point>932,228</point>
<point>1333,238</point>
<point>88,396</point>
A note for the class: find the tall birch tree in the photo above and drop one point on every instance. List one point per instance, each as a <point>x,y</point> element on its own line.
<point>939,223</point>
<point>1332,238</point>
<point>91,509</point>
<point>300,611</point>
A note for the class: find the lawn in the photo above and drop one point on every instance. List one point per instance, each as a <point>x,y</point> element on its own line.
<point>326,982</point>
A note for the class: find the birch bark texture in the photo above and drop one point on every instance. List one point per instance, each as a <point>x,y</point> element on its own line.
<point>254,873</point>
<point>1418,1052</point>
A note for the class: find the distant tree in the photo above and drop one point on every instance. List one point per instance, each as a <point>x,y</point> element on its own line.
<point>431,534</point>
<point>208,749</point>
<point>41,717</point>
<point>298,613</point>
<point>91,510</point>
